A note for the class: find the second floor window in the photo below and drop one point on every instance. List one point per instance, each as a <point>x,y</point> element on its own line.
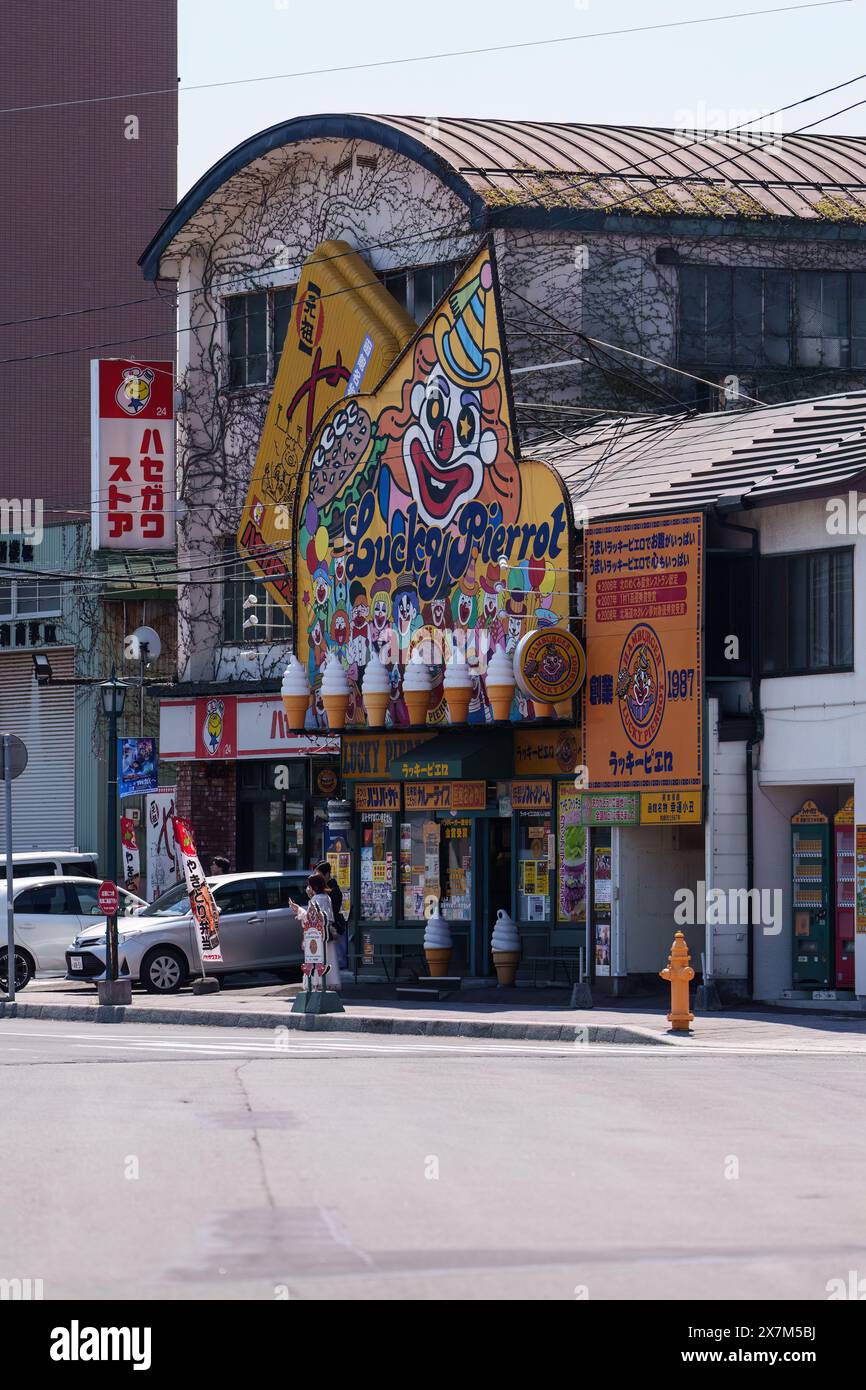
<point>29,598</point>
<point>256,330</point>
<point>807,612</point>
<point>250,614</point>
<point>745,316</point>
<point>420,289</point>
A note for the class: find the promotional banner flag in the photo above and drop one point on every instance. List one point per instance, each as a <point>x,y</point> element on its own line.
<point>201,901</point>
<point>136,766</point>
<point>131,856</point>
<point>163,857</point>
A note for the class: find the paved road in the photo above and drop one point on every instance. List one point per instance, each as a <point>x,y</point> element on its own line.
<point>149,1163</point>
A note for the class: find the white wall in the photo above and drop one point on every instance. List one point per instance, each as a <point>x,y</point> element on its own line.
<point>653,865</point>
<point>727,835</point>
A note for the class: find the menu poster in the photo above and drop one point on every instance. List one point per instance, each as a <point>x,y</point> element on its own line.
<point>572,857</point>
<point>536,908</point>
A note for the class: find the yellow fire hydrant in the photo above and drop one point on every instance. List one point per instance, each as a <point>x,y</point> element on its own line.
<point>679,972</point>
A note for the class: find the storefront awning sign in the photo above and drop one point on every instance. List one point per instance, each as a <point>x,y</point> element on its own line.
<point>445,796</point>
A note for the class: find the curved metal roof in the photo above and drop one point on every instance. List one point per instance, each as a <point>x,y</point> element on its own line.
<point>499,168</point>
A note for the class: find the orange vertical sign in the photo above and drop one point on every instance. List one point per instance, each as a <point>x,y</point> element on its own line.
<point>644,689</point>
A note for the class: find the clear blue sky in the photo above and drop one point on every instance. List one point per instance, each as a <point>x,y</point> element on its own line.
<point>722,73</point>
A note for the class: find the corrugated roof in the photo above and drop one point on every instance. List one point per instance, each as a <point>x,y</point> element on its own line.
<point>505,168</point>
<point>656,171</point>
<point>654,463</point>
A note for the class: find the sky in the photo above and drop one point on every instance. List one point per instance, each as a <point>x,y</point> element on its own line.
<point>701,76</point>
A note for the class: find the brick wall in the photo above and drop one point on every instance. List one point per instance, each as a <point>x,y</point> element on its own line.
<point>207,798</point>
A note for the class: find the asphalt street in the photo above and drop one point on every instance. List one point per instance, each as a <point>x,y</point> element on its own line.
<point>151,1164</point>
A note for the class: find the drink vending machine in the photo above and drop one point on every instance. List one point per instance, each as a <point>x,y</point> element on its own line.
<point>843,837</point>
<point>811,876</point>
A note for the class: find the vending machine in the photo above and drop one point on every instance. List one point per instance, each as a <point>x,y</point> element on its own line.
<point>811,879</point>
<point>843,835</point>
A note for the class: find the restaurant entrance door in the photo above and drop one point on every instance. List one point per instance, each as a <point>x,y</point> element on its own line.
<point>493,879</point>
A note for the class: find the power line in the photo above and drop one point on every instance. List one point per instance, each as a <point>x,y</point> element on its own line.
<point>421,58</point>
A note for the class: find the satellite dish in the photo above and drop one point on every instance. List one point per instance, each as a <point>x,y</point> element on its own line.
<point>142,645</point>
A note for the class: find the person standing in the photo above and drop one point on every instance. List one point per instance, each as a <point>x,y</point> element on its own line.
<point>319,898</point>
<point>335,893</point>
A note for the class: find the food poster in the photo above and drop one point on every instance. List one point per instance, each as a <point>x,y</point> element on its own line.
<point>420,866</point>
<point>572,858</point>
<point>377,866</point>
<point>602,895</point>
<point>417,535</point>
<point>456,902</point>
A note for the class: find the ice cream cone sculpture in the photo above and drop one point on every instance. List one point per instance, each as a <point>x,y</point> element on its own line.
<point>417,687</point>
<point>335,691</point>
<point>505,948</point>
<point>500,683</point>
<point>438,945</point>
<point>376,690</point>
<point>458,690</point>
<point>295,691</point>
<point>542,711</point>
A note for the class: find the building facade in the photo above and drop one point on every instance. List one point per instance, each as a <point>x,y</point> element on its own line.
<point>737,262</point>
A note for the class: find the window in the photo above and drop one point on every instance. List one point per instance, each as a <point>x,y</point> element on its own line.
<point>236,897</point>
<point>85,868</point>
<point>24,870</point>
<point>729,615</point>
<point>807,612</point>
<point>256,330</point>
<point>47,900</point>
<point>29,598</point>
<point>420,289</point>
<point>250,612</point>
<point>746,316</point>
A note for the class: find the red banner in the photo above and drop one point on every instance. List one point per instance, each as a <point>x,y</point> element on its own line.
<point>131,856</point>
<point>201,901</point>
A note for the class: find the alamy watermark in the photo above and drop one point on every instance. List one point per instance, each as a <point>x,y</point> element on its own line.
<point>21,518</point>
<point>719,907</point>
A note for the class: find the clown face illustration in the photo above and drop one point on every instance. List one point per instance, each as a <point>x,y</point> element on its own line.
<point>445,450</point>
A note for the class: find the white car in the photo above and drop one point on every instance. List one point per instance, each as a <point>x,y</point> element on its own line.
<point>49,912</point>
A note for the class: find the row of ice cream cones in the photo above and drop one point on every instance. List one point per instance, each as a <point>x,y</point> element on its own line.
<point>417,688</point>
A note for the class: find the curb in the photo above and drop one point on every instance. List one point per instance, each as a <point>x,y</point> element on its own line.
<point>342,1023</point>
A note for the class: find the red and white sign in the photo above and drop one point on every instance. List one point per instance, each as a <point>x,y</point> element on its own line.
<point>204,909</point>
<point>108,898</point>
<point>239,726</point>
<point>132,455</point>
<point>131,856</point>
<point>314,935</point>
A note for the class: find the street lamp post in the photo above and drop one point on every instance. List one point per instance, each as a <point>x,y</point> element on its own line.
<point>111,989</point>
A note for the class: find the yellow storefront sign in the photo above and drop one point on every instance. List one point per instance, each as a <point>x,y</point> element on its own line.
<point>369,755</point>
<point>680,807</point>
<point>552,751</point>
<point>644,696</point>
<point>345,331</point>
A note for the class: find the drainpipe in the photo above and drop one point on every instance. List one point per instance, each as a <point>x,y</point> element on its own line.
<point>758,715</point>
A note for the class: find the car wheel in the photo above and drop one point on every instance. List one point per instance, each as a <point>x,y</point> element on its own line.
<point>23,969</point>
<point>163,970</point>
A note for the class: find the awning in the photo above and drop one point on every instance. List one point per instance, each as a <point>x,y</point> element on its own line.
<point>475,753</point>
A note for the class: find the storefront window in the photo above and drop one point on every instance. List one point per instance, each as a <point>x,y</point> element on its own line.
<point>456,904</point>
<point>377,866</point>
<point>419,864</point>
<point>602,884</point>
<point>571,844</point>
<point>293,832</point>
<point>534,870</point>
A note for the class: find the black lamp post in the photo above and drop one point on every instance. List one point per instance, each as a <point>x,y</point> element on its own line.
<point>113,696</point>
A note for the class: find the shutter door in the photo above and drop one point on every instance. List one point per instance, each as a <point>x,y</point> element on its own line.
<point>43,797</point>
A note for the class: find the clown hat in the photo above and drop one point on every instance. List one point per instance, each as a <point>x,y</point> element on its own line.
<point>460,343</point>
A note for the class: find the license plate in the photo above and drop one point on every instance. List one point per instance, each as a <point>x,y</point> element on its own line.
<point>76,963</point>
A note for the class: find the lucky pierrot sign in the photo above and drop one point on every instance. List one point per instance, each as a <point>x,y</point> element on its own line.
<point>344,331</point>
<point>419,534</point>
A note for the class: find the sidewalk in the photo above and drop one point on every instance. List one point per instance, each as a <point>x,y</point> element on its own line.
<point>506,1014</point>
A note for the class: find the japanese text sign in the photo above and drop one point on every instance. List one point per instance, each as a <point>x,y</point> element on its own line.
<point>132,455</point>
<point>644,697</point>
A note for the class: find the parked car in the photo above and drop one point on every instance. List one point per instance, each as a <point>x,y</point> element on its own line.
<point>257,929</point>
<point>38,863</point>
<point>47,911</point>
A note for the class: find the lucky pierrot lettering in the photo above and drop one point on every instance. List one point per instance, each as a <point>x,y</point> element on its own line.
<point>439,559</point>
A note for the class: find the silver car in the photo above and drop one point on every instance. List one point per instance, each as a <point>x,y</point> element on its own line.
<point>159,945</point>
<point>48,910</point>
